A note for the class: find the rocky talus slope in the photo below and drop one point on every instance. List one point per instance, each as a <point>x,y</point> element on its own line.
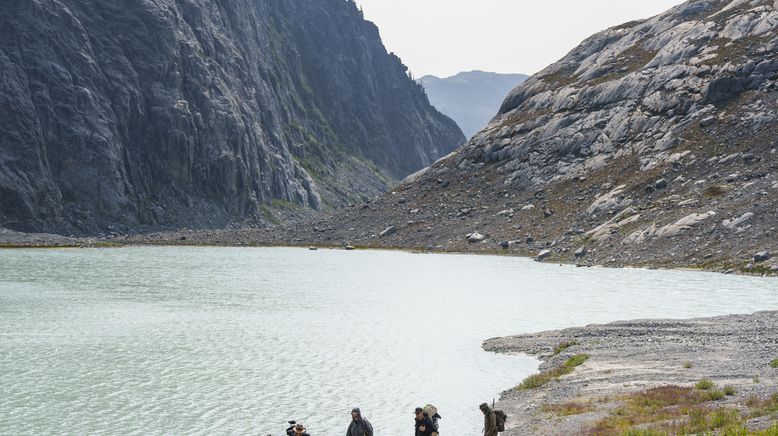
<point>123,115</point>
<point>651,143</point>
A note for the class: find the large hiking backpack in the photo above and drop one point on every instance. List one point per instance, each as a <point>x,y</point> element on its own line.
<point>501,417</point>
<point>432,412</point>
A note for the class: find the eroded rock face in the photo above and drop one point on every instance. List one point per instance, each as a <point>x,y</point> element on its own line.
<point>199,113</point>
<point>634,90</point>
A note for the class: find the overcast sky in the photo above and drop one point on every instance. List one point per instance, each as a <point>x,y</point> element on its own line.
<point>444,37</point>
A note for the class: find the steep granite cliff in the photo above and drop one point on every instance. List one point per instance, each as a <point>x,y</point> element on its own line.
<point>652,143</point>
<point>130,114</point>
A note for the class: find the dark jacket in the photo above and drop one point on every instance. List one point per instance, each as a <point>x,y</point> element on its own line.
<point>490,422</point>
<point>429,426</point>
<point>360,428</point>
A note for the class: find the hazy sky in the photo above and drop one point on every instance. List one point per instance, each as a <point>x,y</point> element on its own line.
<point>444,37</point>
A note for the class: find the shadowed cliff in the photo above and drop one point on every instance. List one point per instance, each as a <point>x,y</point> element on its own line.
<point>130,114</point>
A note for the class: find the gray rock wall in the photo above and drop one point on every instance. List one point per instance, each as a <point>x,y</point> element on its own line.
<point>130,114</point>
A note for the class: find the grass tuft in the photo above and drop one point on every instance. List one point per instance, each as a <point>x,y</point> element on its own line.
<point>537,380</point>
<point>704,385</point>
<point>729,391</point>
<point>713,395</point>
<point>774,363</point>
<point>564,345</point>
<point>688,365</point>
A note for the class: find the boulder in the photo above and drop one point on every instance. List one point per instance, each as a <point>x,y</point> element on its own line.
<point>475,237</point>
<point>684,224</point>
<point>388,231</point>
<point>707,121</point>
<point>604,230</point>
<point>762,256</point>
<point>543,255</point>
<point>734,223</point>
<point>581,252</point>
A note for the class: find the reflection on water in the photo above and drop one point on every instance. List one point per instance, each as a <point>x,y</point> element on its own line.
<point>239,340</point>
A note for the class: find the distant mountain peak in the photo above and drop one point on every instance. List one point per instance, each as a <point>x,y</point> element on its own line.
<point>471,98</point>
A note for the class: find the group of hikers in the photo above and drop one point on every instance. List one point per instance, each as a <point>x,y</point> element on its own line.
<point>426,422</point>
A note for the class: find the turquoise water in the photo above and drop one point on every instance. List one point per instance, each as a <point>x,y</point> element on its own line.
<point>239,340</point>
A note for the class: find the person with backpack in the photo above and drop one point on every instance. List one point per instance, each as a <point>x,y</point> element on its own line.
<point>290,430</point>
<point>359,426</point>
<point>299,430</point>
<point>494,420</point>
<point>432,412</point>
<point>424,425</point>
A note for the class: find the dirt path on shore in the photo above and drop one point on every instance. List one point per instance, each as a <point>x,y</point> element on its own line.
<point>630,357</point>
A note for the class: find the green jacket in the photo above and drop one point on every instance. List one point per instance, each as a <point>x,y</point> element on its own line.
<point>490,423</point>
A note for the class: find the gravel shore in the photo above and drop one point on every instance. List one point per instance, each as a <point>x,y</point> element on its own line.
<point>629,357</point>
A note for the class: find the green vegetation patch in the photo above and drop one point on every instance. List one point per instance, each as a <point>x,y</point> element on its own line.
<point>537,380</point>
<point>564,345</point>
<point>671,410</point>
<point>704,385</point>
<point>774,363</point>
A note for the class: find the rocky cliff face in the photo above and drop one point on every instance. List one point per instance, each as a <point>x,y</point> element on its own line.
<point>651,143</point>
<point>471,98</point>
<point>118,114</point>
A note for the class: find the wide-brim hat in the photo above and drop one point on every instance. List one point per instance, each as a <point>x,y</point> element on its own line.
<point>299,427</point>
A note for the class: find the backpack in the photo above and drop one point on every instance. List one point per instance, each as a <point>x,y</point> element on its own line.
<point>432,412</point>
<point>501,417</point>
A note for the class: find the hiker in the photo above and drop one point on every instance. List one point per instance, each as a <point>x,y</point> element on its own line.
<point>490,420</point>
<point>424,425</point>
<point>359,426</point>
<point>299,430</point>
<point>290,430</point>
<point>433,414</point>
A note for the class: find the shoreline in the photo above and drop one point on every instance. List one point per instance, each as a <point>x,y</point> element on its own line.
<point>257,238</point>
<point>627,360</point>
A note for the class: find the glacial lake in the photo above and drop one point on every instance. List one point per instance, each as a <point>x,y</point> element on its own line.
<point>172,340</point>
